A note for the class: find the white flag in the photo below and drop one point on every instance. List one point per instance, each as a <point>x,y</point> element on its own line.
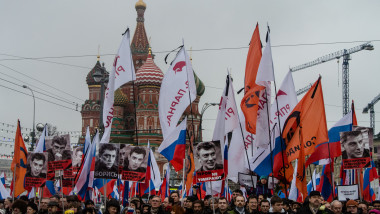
<point>265,74</point>
<point>121,73</point>
<point>293,192</point>
<point>87,140</point>
<point>177,92</point>
<point>41,142</point>
<point>227,119</point>
<point>155,175</point>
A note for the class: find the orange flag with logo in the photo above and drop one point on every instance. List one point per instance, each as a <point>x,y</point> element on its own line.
<point>190,167</point>
<point>18,165</point>
<point>306,126</point>
<point>250,102</point>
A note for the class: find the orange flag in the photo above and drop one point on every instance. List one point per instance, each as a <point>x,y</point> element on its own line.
<point>18,165</point>
<point>250,102</point>
<point>309,118</point>
<point>304,129</point>
<point>190,167</point>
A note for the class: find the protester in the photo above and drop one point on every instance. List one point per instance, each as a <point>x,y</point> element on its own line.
<point>198,207</point>
<point>363,206</point>
<point>336,207</point>
<point>53,207</point>
<point>235,193</point>
<point>31,208</point>
<point>176,209</point>
<point>262,187</point>
<point>19,207</point>
<point>376,205</point>
<point>352,207</point>
<point>252,204</point>
<point>8,205</point>
<point>239,206</point>
<point>175,196</point>
<point>44,206</point>
<point>313,204</point>
<point>156,205</point>
<point>222,206</point>
<point>276,205</point>
<point>113,207</point>
<point>264,206</point>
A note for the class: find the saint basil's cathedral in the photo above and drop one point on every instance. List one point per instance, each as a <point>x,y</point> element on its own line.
<point>147,89</point>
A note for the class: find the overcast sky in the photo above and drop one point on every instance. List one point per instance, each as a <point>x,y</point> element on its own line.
<point>76,28</point>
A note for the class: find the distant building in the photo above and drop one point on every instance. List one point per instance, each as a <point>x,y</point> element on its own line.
<point>147,88</point>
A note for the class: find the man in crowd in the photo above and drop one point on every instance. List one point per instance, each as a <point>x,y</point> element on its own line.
<point>363,206</point>
<point>44,206</point>
<point>239,206</point>
<point>206,154</point>
<point>198,207</point>
<point>336,207</point>
<point>264,206</point>
<point>36,166</point>
<point>376,205</point>
<point>58,149</point>
<point>106,165</point>
<point>295,206</point>
<point>53,207</point>
<point>188,204</point>
<point>222,206</point>
<point>252,204</point>
<point>315,201</point>
<point>235,194</point>
<point>277,204</point>
<point>135,159</point>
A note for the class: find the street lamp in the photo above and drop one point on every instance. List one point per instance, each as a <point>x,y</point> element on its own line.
<point>33,134</point>
<point>100,76</point>
<point>204,108</point>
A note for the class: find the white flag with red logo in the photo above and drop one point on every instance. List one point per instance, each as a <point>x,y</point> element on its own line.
<point>177,92</point>
<point>122,72</point>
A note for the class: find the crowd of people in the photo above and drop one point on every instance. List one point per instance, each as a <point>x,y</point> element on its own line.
<point>260,204</point>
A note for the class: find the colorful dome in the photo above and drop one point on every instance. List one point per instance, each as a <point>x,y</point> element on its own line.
<point>120,98</point>
<point>149,74</point>
<point>199,85</point>
<point>140,3</point>
<point>90,79</point>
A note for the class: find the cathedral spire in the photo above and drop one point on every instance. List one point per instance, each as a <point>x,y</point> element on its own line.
<point>140,44</point>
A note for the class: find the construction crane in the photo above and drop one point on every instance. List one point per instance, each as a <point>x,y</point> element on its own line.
<point>370,108</point>
<point>303,90</point>
<point>345,75</point>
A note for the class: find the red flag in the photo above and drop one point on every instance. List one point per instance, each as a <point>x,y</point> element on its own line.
<point>18,166</point>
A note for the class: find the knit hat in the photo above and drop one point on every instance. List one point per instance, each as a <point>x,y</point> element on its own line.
<point>374,211</point>
<point>351,203</point>
<point>314,193</point>
<point>264,177</point>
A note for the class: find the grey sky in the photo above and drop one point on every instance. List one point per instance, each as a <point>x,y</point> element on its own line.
<point>74,28</point>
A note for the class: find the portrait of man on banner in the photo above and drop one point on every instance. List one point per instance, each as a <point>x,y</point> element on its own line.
<point>77,156</point>
<point>135,161</point>
<point>355,149</point>
<point>208,161</point>
<point>36,169</point>
<point>107,161</point>
<point>59,152</point>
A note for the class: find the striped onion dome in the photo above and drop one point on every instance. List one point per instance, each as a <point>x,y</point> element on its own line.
<point>149,74</point>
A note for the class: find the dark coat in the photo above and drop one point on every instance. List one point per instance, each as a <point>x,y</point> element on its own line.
<point>306,210</point>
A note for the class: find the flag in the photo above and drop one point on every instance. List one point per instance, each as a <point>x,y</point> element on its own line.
<point>41,147</point>
<point>370,174</point>
<point>174,145</point>
<point>190,167</point>
<point>314,182</point>
<point>310,115</point>
<point>164,189</point>
<point>262,161</point>
<point>49,189</point>
<point>153,177</point>
<point>121,73</point>
<point>85,179</point>
<point>87,141</point>
<point>105,186</point>
<point>4,193</point>
<point>321,154</point>
<point>115,192</point>
<point>19,161</point>
<point>325,185</point>
<point>126,194</point>
<point>227,119</point>
<point>176,93</point>
<point>249,104</point>
<point>293,192</point>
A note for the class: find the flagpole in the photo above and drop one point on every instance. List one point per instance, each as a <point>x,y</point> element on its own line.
<point>280,129</point>
<point>14,182</point>
<point>270,139</point>
<point>105,194</point>
<point>61,184</point>
<point>331,171</point>
<point>183,177</point>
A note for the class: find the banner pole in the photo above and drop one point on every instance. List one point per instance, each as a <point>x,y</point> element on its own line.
<point>270,140</point>
<point>280,129</point>
<point>105,195</point>
<point>61,184</point>
<point>183,178</point>
<point>331,171</point>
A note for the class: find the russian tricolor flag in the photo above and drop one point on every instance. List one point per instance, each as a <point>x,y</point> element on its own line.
<point>370,174</point>
<point>3,192</point>
<point>321,154</point>
<point>174,145</point>
<point>164,189</point>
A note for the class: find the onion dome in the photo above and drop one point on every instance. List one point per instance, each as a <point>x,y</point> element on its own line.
<point>199,85</point>
<point>140,4</point>
<point>90,79</point>
<point>120,98</point>
<point>149,74</point>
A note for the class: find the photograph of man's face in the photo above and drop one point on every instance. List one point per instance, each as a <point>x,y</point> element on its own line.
<point>36,166</point>
<point>354,145</point>
<point>77,157</point>
<point>58,148</point>
<point>123,153</point>
<point>135,160</point>
<point>208,156</point>
<point>108,157</point>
